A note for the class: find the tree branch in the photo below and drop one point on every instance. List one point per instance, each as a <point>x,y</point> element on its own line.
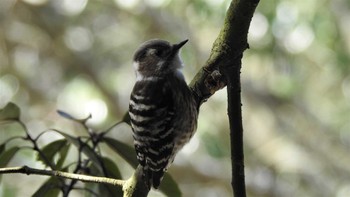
<point>232,74</point>
<point>224,67</point>
<point>229,45</point>
<point>79,177</point>
<point>133,187</point>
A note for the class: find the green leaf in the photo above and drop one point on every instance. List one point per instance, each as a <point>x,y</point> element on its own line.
<point>48,189</point>
<point>63,154</point>
<point>9,113</point>
<point>125,151</point>
<point>112,172</point>
<point>70,117</point>
<point>50,150</point>
<point>6,156</point>
<point>2,148</point>
<point>111,168</point>
<point>106,190</point>
<point>169,187</point>
<point>87,150</point>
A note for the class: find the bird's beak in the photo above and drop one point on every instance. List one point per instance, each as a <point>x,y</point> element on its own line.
<point>177,46</point>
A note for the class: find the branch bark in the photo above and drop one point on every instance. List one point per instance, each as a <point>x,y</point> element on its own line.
<point>135,186</point>
<point>79,177</point>
<point>228,46</point>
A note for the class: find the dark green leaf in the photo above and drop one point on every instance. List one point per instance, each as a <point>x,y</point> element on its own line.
<point>48,189</point>
<point>70,117</point>
<point>52,149</point>
<point>6,156</point>
<point>105,190</point>
<point>91,189</point>
<point>2,148</point>
<point>125,151</point>
<point>87,150</point>
<point>111,168</point>
<point>63,155</point>
<point>10,112</point>
<point>170,187</point>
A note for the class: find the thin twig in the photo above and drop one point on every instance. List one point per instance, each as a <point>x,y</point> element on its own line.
<point>80,177</point>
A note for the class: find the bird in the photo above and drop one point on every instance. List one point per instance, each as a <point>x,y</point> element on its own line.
<point>163,112</point>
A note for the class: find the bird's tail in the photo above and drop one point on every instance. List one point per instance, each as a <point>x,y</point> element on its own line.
<point>152,177</point>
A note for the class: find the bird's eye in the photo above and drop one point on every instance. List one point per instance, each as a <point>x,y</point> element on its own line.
<point>158,53</point>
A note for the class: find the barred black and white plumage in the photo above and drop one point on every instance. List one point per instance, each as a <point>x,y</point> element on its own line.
<point>162,109</point>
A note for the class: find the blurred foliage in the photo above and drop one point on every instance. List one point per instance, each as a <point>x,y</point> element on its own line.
<point>76,56</point>
<point>88,159</point>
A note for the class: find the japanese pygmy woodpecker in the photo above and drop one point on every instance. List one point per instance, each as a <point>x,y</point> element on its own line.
<point>162,108</point>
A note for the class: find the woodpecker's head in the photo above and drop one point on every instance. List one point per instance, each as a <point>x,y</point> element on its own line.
<point>157,58</point>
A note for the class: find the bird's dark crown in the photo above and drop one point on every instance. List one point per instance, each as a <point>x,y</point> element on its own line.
<point>157,56</point>
<point>152,47</point>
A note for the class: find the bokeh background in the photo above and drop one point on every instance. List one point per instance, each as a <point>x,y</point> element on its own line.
<point>76,56</point>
